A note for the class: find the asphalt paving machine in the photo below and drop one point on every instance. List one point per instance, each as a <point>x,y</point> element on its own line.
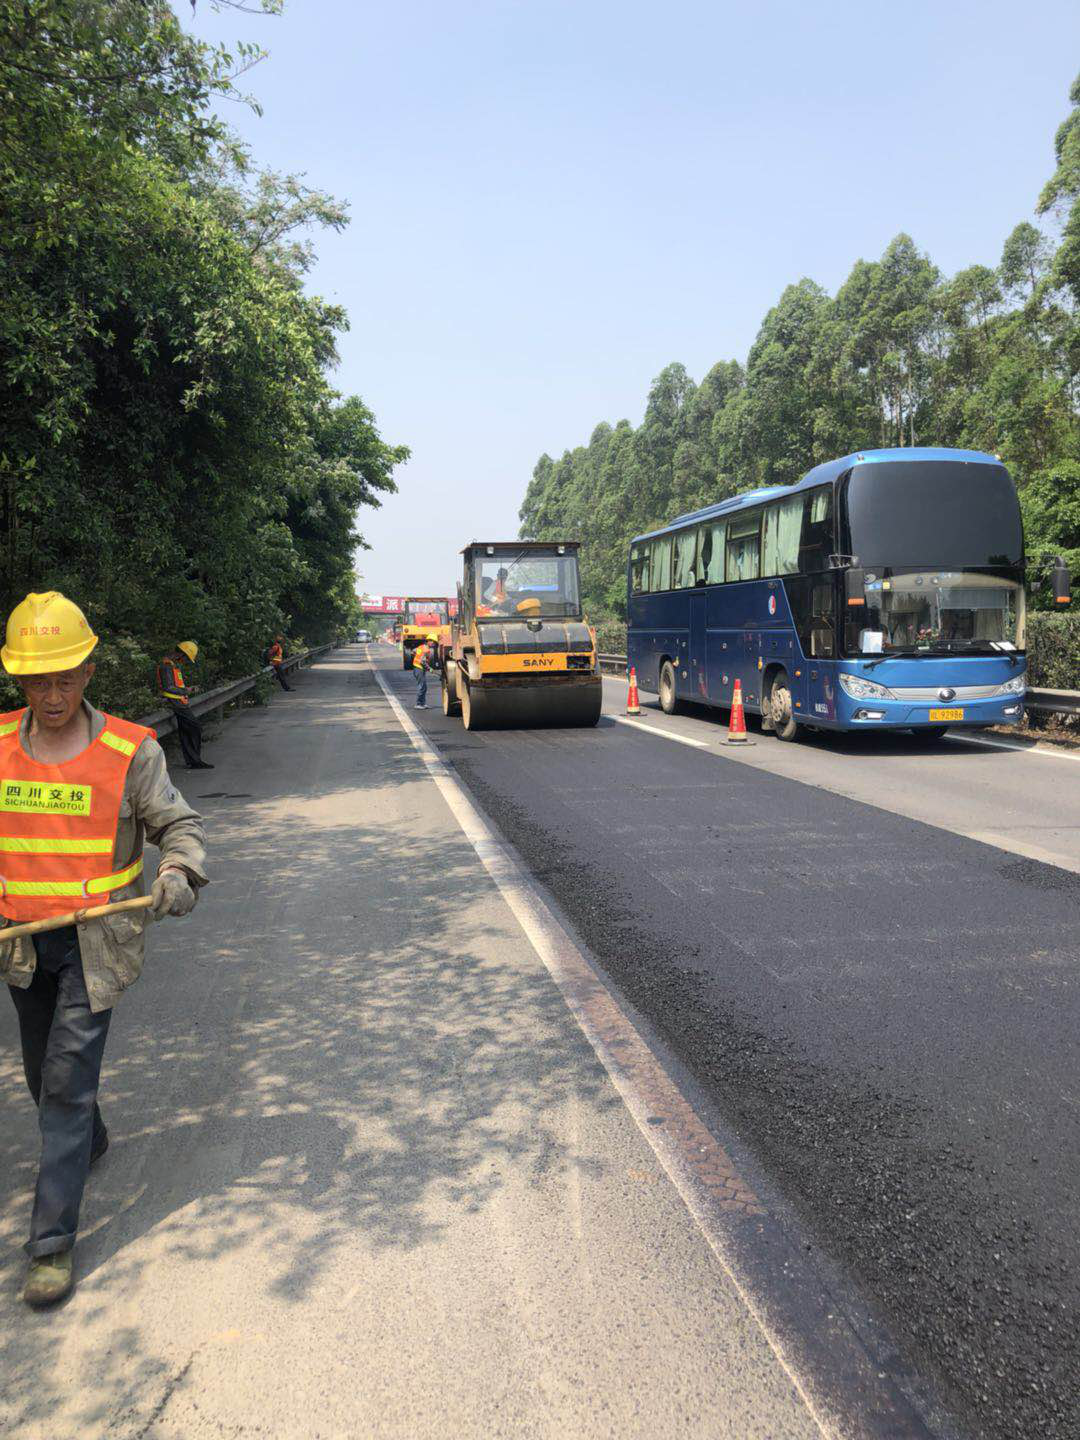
<point>520,652</point>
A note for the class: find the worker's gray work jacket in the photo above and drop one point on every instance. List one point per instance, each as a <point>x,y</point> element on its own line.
<point>151,809</point>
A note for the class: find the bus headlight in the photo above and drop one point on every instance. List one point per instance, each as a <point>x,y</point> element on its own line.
<point>860,688</point>
<point>1016,686</point>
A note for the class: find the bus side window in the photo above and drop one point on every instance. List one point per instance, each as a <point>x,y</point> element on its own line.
<point>816,542</point>
<point>639,569</point>
<point>715,538</point>
<point>685,546</point>
<point>744,547</point>
<point>704,554</point>
<point>813,610</point>
<point>783,530</point>
<point>660,564</point>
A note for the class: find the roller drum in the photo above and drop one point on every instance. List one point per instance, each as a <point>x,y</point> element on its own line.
<point>526,707</point>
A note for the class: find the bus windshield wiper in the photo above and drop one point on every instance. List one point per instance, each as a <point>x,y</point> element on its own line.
<point>895,655</point>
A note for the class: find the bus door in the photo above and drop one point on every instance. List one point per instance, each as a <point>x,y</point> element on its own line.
<point>820,701</point>
<point>699,668</point>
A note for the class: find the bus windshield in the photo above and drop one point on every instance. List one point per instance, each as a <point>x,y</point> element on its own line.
<point>525,585</point>
<point>951,610</point>
<point>942,545</point>
<point>933,515</point>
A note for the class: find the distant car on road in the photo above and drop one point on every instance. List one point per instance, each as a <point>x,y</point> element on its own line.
<point>363,637</point>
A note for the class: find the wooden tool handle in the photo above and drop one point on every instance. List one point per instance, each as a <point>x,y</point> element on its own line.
<point>57,922</point>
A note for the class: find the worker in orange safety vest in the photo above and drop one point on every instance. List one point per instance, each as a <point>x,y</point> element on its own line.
<point>275,656</point>
<point>421,664</point>
<point>177,696</point>
<point>78,791</point>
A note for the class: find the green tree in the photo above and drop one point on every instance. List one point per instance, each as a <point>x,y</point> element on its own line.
<point>172,452</point>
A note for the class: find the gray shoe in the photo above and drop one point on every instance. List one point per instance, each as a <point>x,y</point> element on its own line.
<point>49,1279</point>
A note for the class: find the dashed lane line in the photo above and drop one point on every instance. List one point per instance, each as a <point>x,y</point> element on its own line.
<point>652,730</point>
<point>845,1393</point>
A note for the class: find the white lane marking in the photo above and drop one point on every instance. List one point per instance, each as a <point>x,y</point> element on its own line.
<point>667,734</point>
<point>962,739</point>
<point>578,982</point>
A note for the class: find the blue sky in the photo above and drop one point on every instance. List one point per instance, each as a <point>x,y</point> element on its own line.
<point>551,201</point>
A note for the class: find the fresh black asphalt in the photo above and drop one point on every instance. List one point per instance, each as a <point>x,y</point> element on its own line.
<point>887,1013</point>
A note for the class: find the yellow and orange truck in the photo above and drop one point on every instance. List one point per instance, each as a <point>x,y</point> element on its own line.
<point>426,617</point>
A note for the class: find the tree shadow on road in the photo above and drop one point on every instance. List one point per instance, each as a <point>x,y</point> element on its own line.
<point>348,1044</point>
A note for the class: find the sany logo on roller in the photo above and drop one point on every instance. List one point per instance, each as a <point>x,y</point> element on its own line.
<point>539,663</point>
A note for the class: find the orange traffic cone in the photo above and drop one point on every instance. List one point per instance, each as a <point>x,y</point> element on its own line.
<point>633,706</point>
<point>736,734</point>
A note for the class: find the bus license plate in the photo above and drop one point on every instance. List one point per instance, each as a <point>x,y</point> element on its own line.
<point>946,714</point>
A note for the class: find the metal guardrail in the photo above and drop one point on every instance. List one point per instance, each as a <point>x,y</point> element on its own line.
<point>1053,702</point>
<point>1046,702</point>
<point>164,721</point>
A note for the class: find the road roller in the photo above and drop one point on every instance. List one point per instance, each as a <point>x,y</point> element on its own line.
<point>520,652</point>
<point>425,618</point>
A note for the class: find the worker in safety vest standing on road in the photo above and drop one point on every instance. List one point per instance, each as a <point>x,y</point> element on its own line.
<point>421,664</point>
<point>177,696</point>
<point>79,790</point>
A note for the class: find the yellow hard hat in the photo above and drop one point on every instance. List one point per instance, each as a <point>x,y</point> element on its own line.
<point>46,633</point>
<point>531,606</point>
<point>190,649</point>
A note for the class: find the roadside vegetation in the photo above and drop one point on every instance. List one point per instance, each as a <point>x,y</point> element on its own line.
<point>988,359</point>
<point>173,455</point>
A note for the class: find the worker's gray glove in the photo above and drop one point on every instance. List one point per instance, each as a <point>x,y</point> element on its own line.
<point>172,895</point>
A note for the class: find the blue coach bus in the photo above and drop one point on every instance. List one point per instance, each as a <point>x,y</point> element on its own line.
<point>885,589</point>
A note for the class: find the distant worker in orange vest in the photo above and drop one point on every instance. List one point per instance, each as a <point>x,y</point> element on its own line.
<point>275,655</point>
<point>177,696</point>
<point>421,664</point>
<point>79,790</point>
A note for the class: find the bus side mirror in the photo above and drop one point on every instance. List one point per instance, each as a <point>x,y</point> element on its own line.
<point>855,585</point>
<point>1062,582</point>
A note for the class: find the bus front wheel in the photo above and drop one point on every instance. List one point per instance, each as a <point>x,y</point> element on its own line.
<point>668,701</point>
<point>781,710</point>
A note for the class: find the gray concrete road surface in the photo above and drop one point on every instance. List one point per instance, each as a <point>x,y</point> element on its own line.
<point>860,954</point>
<point>366,1178</point>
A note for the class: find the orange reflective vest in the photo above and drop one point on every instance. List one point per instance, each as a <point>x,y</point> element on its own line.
<point>276,654</point>
<point>171,682</point>
<point>59,822</point>
<point>419,656</point>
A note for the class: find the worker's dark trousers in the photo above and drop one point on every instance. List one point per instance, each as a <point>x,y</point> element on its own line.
<point>62,1045</point>
<point>189,733</point>
<point>279,675</point>
<point>421,685</point>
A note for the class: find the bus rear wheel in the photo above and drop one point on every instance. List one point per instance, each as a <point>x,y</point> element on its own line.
<point>781,710</point>
<point>668,700</point>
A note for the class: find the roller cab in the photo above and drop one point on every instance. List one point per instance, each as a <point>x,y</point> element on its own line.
<point>521,653</point>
